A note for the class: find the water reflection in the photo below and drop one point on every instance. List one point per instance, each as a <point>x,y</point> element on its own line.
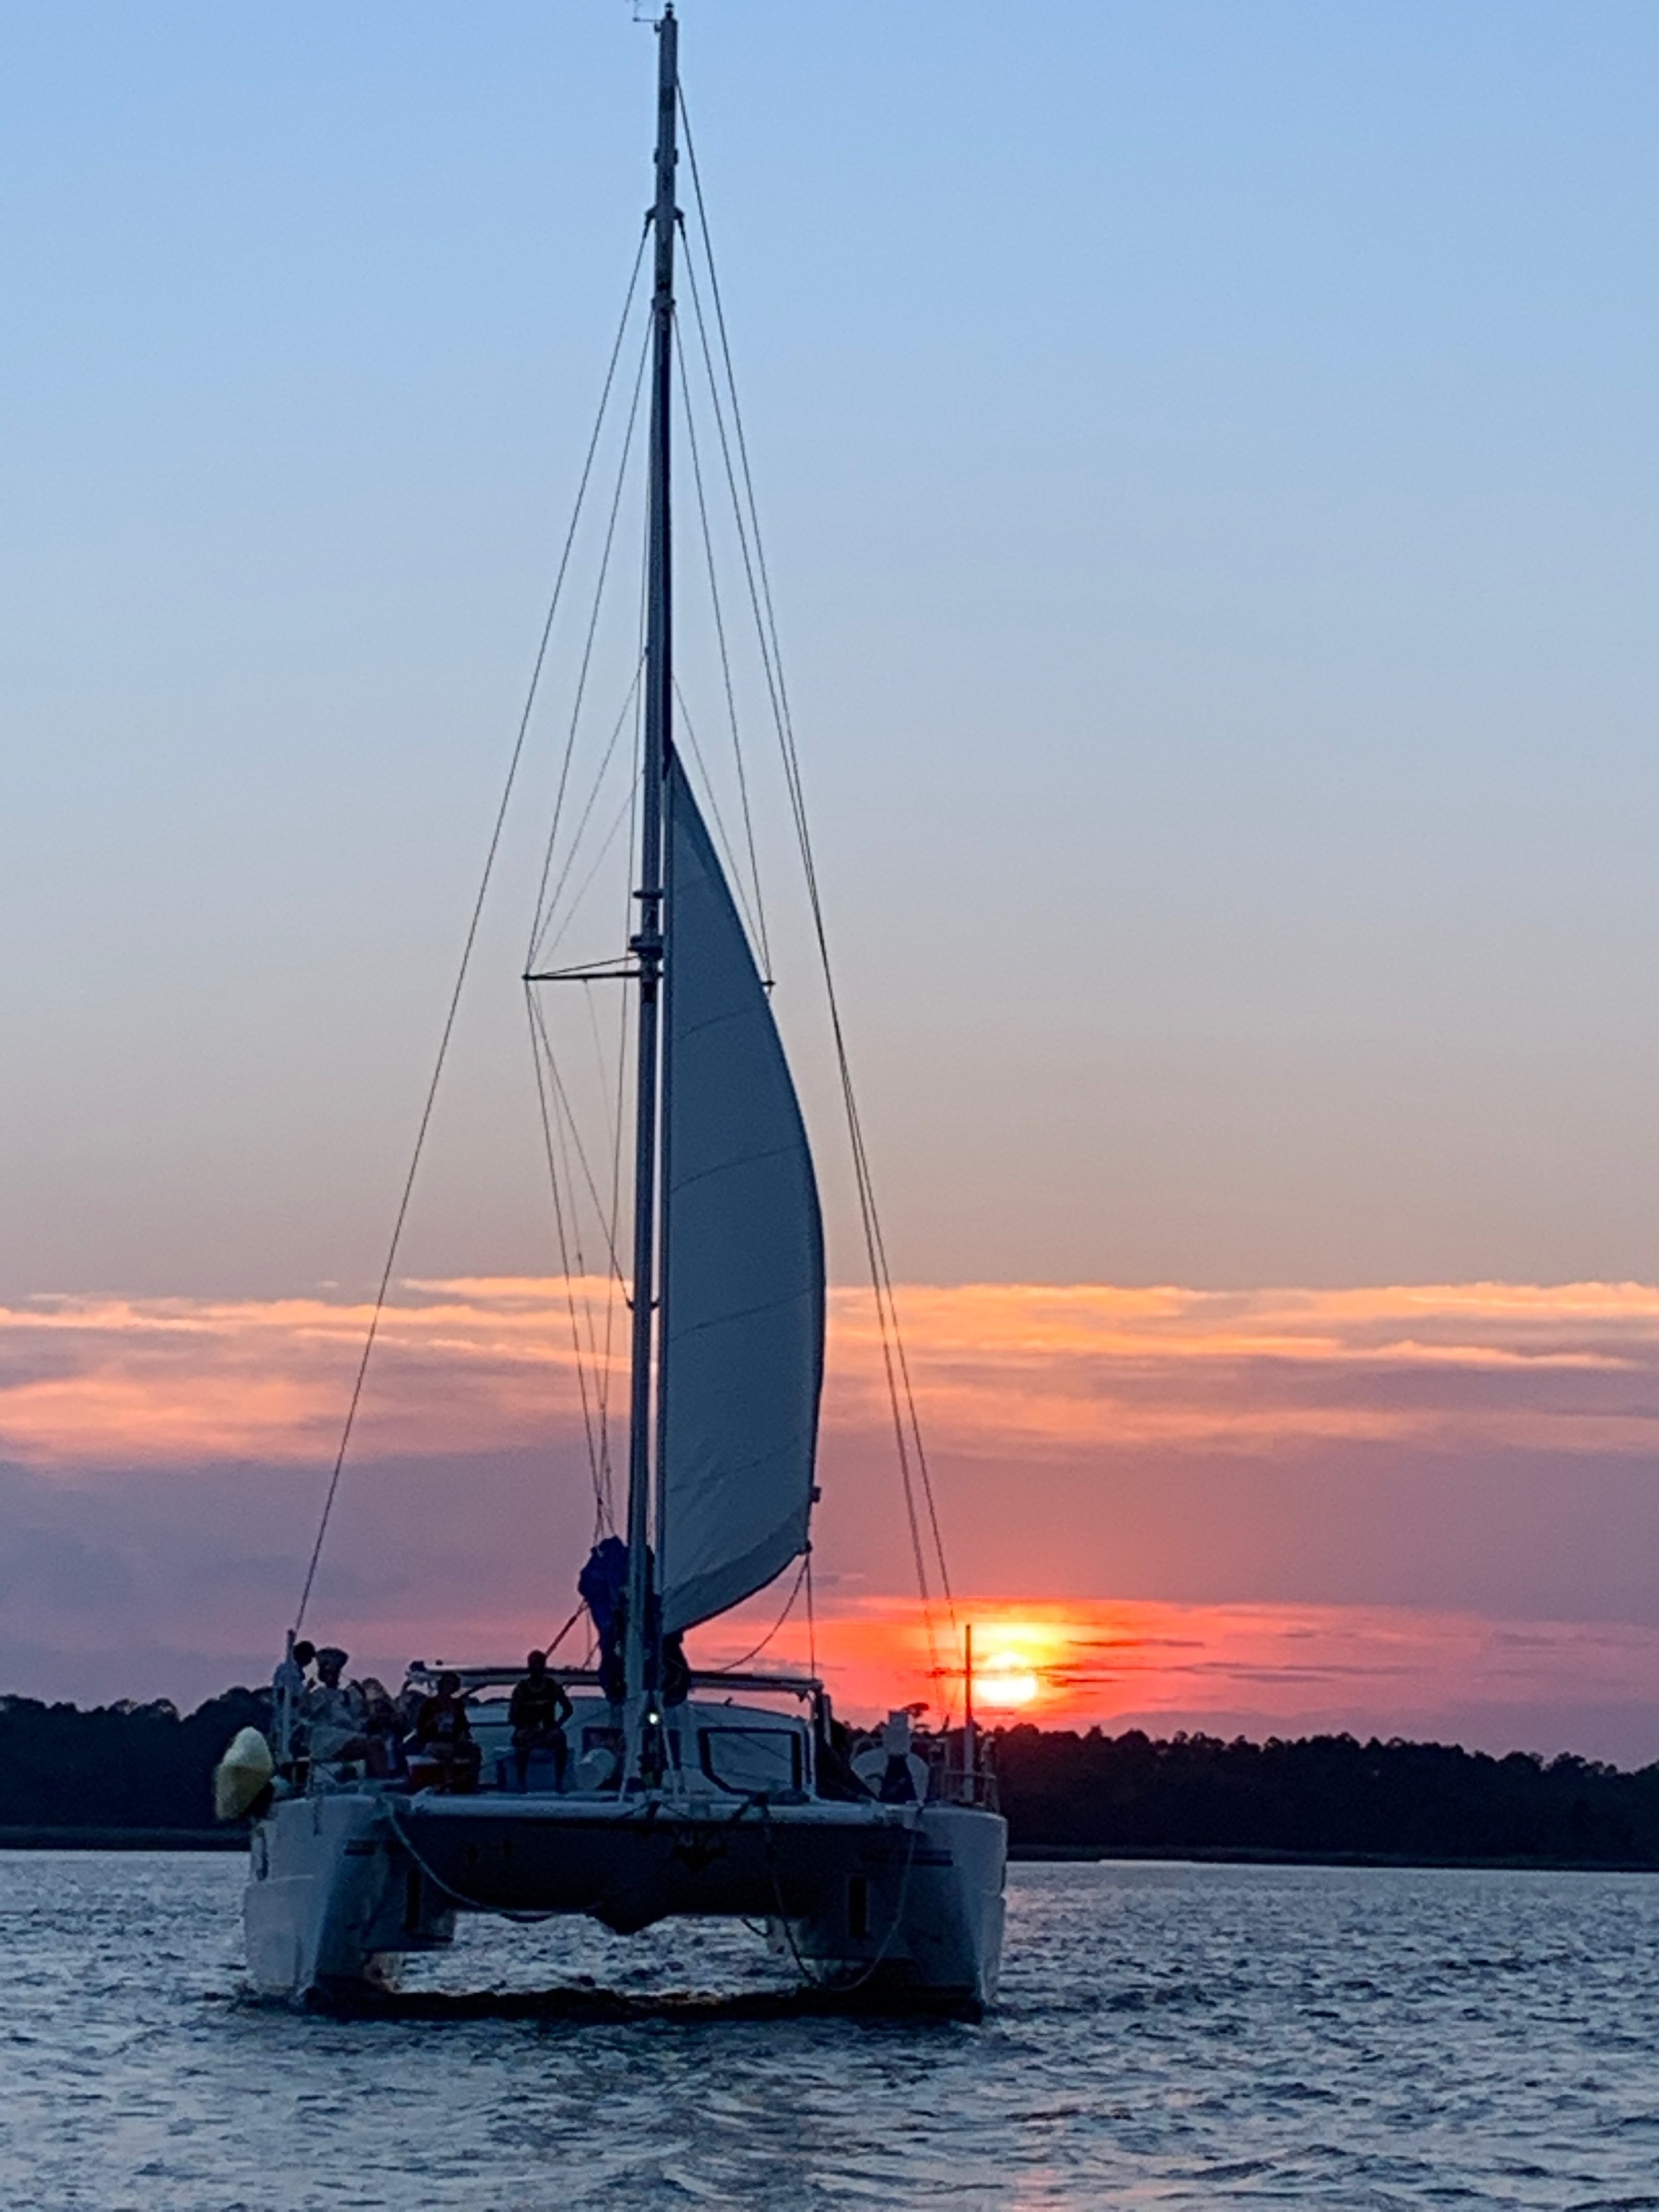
<point>1188,2037</point>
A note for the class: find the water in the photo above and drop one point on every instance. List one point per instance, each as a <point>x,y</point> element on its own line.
<point>1169,2036</point>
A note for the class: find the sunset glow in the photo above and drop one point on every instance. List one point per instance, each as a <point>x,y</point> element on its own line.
<point>1226,1669</point>
<point>1018,1662</point>
<point>486,1363</point>
<point>1007,1681</point>
<point>1196,1450</point>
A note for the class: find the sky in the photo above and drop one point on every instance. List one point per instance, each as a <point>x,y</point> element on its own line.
<point>1208,461</point>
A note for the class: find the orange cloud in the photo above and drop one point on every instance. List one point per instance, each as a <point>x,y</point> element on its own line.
<point>1263,1668</point>
<point>490,1363</point>
<point>1405,1450</point>
<point>473,1364</point>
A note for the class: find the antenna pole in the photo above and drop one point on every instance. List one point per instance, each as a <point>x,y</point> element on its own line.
<point>647,945</point>
<point>969,1733</point>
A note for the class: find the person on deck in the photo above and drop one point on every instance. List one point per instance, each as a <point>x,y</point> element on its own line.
<point>443,1735</point>
<point>383,1735</point>
<point>333,1710</point>
<point>290,1680</point>
<point>288,1687</point>
<point>539,1712</point>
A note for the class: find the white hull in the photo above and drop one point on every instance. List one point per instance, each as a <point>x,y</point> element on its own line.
<point>901,1902</point>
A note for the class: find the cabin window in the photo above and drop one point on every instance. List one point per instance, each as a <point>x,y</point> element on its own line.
<point>752,1762</point>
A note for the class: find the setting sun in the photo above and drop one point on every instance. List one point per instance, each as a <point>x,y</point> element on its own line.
<point>1006,1679</point>
<point>1015,1668</point>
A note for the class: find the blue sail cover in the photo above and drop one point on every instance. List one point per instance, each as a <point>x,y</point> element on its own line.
<point>742,1341</point>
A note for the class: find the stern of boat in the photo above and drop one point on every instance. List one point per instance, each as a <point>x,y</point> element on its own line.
<point>916,1917</point>
<point>333,1900</point>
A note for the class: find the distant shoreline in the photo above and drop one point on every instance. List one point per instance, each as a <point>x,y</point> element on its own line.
<point>38,1838</point>
<point>1243,1855</point>
<point>119,1778</point>
<point>46,1838</point>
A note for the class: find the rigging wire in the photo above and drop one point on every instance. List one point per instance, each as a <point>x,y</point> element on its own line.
<point>566,1630</point>
<point>614,1306</point>
<point>555,1109</point>
<point>609,1223</point>
<point>545,940</point>
<point>904,1430</point>
<point>384,1287</point>
<point>726,660</point>
<point>755,1649</point>
<point>557,1113</point>
<point>722,838</point>
<point>602,1512</point>
<point>543,918</point>
<point>563,1098</point>
<point>774,659</point>
<point>549,945</point>
<point>746,517</point>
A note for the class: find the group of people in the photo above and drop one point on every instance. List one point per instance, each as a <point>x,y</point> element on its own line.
<point>322,1719</point>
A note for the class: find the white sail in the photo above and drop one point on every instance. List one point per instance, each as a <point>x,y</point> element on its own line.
<point>742,1345</point>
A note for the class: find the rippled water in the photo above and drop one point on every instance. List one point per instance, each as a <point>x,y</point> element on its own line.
<point>1169,2036</point>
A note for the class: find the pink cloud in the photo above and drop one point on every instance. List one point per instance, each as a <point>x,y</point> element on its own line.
<point>480,1365</point>
<point>1423,1463</point>
<point>489,1363</point>
<point>1260,1669</point>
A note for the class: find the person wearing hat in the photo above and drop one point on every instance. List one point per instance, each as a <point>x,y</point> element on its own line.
<point>334,1709</point>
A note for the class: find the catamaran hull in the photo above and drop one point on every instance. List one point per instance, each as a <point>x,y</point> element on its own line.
<point>920,1919</point>
<point>900,1904</point>
<point>328,1906</point>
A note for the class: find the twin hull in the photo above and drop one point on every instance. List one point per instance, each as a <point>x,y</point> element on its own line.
<point>901,1902</point>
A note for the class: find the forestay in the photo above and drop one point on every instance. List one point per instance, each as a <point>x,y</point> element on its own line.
<point>742,1343</point>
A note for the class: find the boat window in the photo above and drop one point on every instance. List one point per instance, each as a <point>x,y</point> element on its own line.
<point>751,1760</point>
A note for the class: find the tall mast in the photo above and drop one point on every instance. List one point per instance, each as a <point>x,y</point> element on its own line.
<point>647,945</point>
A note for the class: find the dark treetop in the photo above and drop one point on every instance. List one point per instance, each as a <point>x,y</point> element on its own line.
<point>1326,1797</point>
<point>117,1766</point>
<point>125,1767</point>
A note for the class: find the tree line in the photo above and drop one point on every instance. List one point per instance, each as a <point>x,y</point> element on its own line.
<point>1324,1797</point>
<point>130,1766</point>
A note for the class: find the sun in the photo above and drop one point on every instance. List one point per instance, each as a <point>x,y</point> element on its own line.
<point>1014,1664</point>
<point>1004,1681</point>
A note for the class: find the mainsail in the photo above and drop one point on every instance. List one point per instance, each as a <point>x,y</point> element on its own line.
<point>742,1341</point>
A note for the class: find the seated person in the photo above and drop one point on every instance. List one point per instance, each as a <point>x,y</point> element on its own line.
<point>443,1735</point>
<point>539,1712</point>
<point>333,1710</point>
<point>383,1735</point>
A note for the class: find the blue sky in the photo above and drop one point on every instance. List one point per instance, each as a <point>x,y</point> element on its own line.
<point>1208,455</point>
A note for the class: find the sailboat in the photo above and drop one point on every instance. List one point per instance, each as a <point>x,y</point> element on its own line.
<point>675,1792</point>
